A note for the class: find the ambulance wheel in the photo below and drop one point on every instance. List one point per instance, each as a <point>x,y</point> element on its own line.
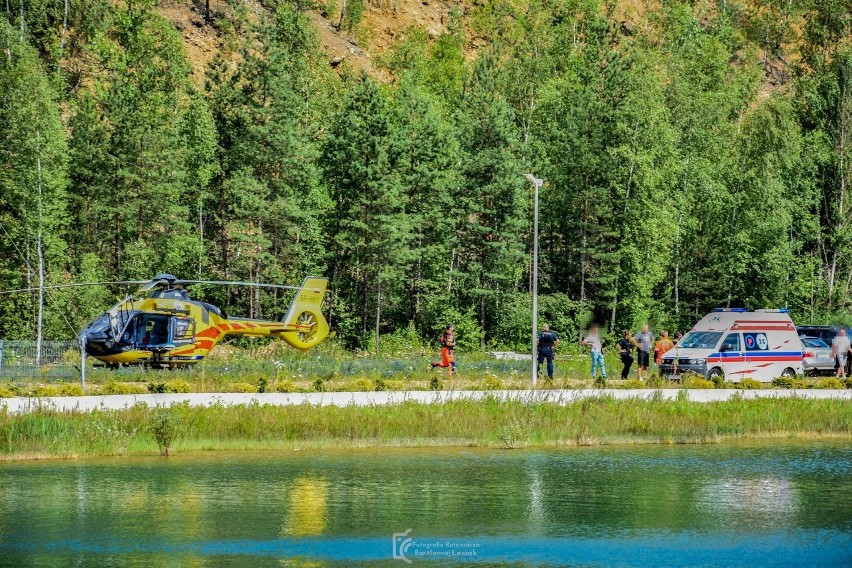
<point>716,374</point>
<point>788,373</point>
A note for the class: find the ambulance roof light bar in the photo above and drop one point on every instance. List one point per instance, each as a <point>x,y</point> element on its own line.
<point>773,311</point>
<point>738,310</point>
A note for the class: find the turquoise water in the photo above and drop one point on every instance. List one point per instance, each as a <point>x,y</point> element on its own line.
<point>784,504</point>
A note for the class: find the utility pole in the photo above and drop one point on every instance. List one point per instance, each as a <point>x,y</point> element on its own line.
<point>537,183</point>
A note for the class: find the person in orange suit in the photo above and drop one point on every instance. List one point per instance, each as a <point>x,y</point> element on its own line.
<point>448,358</point>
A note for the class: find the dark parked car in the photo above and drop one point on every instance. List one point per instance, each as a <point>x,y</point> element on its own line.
<point>816,356</point>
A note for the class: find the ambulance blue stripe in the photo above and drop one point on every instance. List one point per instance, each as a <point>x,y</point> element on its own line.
<point>757,354</point>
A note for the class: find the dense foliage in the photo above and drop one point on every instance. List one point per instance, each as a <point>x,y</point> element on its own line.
<point>695,155</point>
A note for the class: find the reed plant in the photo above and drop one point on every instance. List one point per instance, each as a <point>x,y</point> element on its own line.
<point>492,421</point>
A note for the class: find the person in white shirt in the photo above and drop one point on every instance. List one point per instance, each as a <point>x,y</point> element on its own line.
<point>594,341</point>
<point>840,349</point>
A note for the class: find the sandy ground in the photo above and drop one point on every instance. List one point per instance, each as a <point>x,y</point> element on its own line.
<point>115,402</point>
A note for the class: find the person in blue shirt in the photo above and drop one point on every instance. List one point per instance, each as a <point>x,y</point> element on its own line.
<point>547,342</point>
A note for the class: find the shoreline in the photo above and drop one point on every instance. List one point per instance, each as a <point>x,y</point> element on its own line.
<point>206,447</point>
<point>89,403</point>
<point>449,420</point>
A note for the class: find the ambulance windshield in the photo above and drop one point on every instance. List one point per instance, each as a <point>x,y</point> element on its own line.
<point>700,340</point>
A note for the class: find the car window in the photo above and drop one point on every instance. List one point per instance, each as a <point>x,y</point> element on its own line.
<point>700,339</point>
<point>732,342</point>
<point>814,342</point>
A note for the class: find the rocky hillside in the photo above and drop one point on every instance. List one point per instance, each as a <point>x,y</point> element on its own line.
<point>383,24</point>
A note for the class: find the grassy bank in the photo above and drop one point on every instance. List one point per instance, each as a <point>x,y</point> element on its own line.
<point>604,420</point>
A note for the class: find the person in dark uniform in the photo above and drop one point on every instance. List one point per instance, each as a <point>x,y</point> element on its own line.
<point>547,342</point>
<point>625,350</point>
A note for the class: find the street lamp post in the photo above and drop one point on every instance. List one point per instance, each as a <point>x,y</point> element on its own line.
<point>537,182</point>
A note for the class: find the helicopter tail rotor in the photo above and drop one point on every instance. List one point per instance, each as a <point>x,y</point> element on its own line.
<point>305,313</point>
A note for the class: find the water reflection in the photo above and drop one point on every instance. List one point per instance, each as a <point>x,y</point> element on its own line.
<point>762,496</point>
<point>596,506</point>
<point>308,508</point>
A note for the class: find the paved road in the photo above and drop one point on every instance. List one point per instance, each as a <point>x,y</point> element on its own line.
<point>88,403</point>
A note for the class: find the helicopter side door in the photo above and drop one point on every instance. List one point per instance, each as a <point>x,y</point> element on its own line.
<point>157,332</point>
<point>153,332</point>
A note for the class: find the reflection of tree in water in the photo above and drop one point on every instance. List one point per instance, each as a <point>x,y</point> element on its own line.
<point>308,508</point>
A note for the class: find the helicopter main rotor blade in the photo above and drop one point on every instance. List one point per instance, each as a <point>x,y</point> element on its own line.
<point>73,286</point>
<point>236,283</point>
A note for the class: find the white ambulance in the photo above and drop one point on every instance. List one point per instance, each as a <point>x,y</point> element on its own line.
<point>736,344</point>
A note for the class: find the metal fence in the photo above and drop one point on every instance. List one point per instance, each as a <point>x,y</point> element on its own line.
<point>58,360</point>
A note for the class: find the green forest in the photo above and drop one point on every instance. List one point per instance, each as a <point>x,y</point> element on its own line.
<point>698,155</point>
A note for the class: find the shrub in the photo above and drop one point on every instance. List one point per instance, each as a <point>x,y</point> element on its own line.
<point>178,385</point>
<point>242,387</point>
<point>262,384</point>
<point>114,387</point>
<point>392,385</point>
<point>634,384</point>
<point>319,385</point>
<point>361,385</point>
<point>6,392</point>
<point>45,391</point>
<point>848,382</point>
<point>164,427</point>
<point>749,384</point>
<point>719,382</point>
<point>284,386</point>
<point>654,381</point>
<point>435,384</point>
<point>492,383</point>
<point>381,385</point>
<point>71,389</point>
<point>600,382</point>
<point>156,387</point>
<point>783,382</point>
<point>830,383</point>
<point>514,434</point>
<point>698,382</point>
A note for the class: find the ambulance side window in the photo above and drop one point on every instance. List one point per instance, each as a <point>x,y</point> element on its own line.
<point>731,343</point>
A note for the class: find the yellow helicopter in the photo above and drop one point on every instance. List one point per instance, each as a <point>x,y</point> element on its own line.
<point>161,326</point>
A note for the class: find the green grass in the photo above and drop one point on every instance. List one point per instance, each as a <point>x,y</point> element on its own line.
<point>274,368</point>
<point>490,422</point>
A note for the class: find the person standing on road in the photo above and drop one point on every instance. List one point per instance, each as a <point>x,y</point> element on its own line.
<point>625,350</point>
<point>840,349</point>
<point>643,342</point>
<point>594,341</point>
<point>547,342</point>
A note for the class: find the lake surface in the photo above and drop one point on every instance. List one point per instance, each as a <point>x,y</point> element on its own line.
<point>779,504</point>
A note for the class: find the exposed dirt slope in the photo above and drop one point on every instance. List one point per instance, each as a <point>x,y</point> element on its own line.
<point>384,22</point>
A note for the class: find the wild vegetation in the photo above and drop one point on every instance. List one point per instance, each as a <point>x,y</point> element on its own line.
<point>517,423</point>
<point>697,154</point>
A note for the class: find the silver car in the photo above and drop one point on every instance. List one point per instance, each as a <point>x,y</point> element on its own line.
<point>816,356</point>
